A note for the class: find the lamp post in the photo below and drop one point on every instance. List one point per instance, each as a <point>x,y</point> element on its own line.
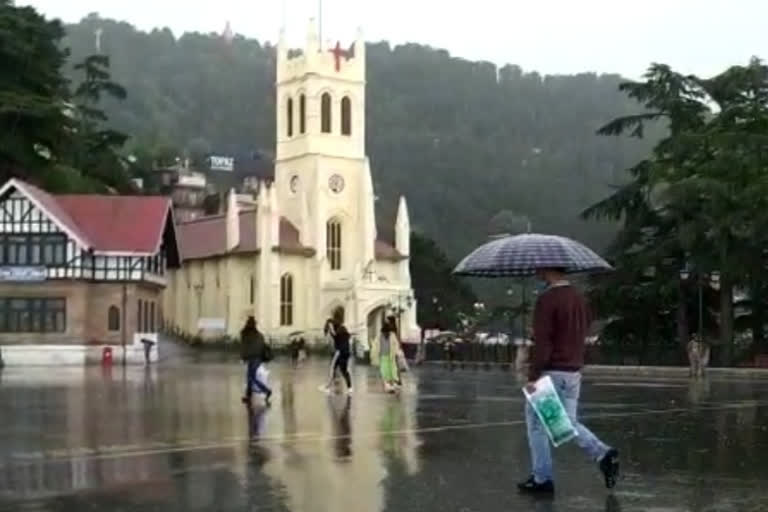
<point>402,299</point>
<point>435,315</point>
<point>685,274</point>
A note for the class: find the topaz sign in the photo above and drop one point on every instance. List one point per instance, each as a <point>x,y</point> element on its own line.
<point>222,163</point>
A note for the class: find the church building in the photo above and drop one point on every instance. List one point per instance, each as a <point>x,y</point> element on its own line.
<point>307,245</point>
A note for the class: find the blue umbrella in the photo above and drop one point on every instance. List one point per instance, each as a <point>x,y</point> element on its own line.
<point>522,255</point>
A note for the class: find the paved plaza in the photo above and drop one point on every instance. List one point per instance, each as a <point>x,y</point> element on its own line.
<point>176,438</point>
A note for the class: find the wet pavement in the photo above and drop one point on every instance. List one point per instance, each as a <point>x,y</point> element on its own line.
<point>176,438</point>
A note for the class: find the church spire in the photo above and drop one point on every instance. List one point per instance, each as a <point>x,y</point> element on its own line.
<point>403,229</point>
<point>403,239</point>
<point>368,213</point>
<point>313,39</point>
<point>228,35</point>
<point>232,221</point>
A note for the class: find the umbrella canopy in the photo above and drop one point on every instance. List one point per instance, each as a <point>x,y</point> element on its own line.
<point>522,255</point>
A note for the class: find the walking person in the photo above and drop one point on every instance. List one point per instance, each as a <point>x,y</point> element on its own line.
<point>255,352</point>
<point>561,323</point>
<point>400,360</point>
<point>341,352</point>
<point>388,350</point>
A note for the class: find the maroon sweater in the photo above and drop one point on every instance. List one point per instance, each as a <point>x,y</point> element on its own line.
<point>561,322</point>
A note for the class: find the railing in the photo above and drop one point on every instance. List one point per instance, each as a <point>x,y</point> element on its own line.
<point>467,352</point>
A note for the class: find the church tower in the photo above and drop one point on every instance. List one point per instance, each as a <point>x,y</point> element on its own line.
<point>322,175</point>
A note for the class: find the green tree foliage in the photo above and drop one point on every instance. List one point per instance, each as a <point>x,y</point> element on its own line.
<point>699,200</point>
<point>48,134</point>
<point>97,148</point>
<point>34,128</point>
<point>462,140</point>
<point>441,296</point>
<point>507,222</point>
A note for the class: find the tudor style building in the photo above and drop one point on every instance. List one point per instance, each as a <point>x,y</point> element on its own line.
<point>80,273</point>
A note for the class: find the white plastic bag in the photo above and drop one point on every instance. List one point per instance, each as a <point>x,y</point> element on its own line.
<point>547,405</point>
<point>262,375</point>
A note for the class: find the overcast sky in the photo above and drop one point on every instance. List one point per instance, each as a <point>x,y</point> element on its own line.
<point>550,36</point>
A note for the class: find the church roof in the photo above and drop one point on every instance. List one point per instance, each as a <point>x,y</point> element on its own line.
<point>384,251</point>
<point>206,237</point>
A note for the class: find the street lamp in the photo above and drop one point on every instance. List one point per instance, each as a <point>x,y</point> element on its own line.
<point>685,274</point>
<point>402,299</point>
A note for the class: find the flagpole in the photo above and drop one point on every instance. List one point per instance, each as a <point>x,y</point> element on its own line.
<point>320,22</point>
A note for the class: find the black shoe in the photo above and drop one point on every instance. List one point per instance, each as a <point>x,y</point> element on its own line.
<point>530,486</point>
<point>609,465</point>
<point>268,397</point>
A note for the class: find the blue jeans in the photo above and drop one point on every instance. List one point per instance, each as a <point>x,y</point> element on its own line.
<point>251,380</point>
<point>568,386</point>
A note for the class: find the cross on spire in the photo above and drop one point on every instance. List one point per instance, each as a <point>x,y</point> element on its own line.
<point>338,52</point>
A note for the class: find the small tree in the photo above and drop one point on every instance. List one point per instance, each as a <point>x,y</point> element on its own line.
<point>96,148</point>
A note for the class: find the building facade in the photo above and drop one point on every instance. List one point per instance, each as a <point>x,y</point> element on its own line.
<point>81,273</point>
<point>309,247</point>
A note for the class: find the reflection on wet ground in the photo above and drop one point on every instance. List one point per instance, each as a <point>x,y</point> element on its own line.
<point>177,438</point>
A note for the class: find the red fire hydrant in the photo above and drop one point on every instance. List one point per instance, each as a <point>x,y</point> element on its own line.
<point>106,356</point>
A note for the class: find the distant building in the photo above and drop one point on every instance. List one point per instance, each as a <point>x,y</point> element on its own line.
<point>81,273</point>
<point>187,189</point>
<point>309,245</point>
<point>191,188</point>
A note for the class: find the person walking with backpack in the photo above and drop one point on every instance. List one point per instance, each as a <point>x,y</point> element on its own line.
<point>254,351</point>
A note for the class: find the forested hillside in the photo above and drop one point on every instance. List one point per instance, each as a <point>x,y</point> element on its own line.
<point>462,140</point>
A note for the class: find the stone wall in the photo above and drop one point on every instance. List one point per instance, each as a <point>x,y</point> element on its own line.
<point>87,308</point>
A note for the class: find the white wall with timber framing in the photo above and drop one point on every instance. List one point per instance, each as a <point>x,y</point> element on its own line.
<point>25,229</point>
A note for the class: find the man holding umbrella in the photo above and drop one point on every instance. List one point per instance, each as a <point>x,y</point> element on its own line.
<point>560,325</point>
<point>561,322</point>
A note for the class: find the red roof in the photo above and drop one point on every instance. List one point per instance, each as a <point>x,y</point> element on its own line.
<point>384,251</point>
<point>206,237</point>
<point>105,223</point>
<point>119,223</point>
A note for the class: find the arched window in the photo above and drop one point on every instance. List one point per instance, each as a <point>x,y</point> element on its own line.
<point>333,243</point>
<point>302,114</point>
<point>113,318</point>
<point>325,113</point>
<point>289,116</point>
<point>286,299</point>
<point>346,116</point>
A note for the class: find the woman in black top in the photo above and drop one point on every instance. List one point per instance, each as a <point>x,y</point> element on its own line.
<point>342,351</point>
